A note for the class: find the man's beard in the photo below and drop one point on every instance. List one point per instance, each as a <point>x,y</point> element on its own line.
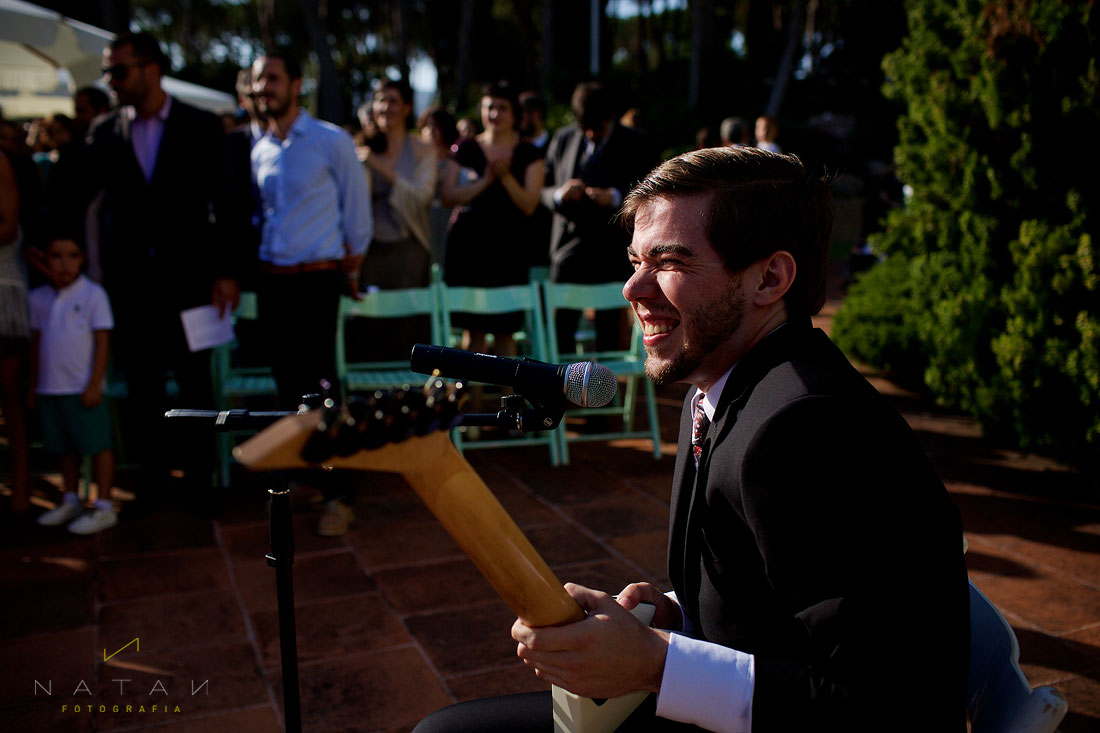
<point>711,324</point>
<point>273,107</point>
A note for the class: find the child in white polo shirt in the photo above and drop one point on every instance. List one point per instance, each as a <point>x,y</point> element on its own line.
<point>71,323</point>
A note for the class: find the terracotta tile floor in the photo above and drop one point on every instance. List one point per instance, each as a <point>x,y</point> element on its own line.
<point>393,621</point>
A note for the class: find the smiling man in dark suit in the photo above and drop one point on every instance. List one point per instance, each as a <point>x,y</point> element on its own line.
<point>167,245</point>
<point>816,559</point>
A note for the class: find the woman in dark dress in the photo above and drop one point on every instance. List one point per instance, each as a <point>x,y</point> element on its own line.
<point>494,181</point>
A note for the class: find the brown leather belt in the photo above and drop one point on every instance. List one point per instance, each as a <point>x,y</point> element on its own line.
<point>317,266</point>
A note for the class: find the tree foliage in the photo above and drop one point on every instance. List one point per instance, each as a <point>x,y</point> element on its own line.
<point>999,234</point>
<point>685,63</point>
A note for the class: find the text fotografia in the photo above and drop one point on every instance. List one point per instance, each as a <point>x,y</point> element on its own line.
<point>122,708</point>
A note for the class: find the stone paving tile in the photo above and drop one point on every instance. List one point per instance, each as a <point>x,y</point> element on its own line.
<point>524,509</point>
<point>1083,695</point>
<point>252,541</point>
<point>315,577</point>
<point>609,576</point>
<point>49,718</point>
<point>570,484</point>
<point>171,572</point>
<point>1051,602</point>
<point>1047,659</point>
<point>560,544</point>
<point>1079,556</point>
<point>170,622</point>
<point>253,720</point>
<point>335,627</point>
<point>619,515</point>
<point>515,678</point>
<point>1006,520</point>
<point>1086,640</point>
<point>383,690</point>
<point>648,550</point>
<point>467,639</point>
<point>433,586</point>
<point>46,591</point>
<point>402,543</point>
<point>198,680</point>
<point>983,557</point>
<point>157,533</point>
<point>56,660</point>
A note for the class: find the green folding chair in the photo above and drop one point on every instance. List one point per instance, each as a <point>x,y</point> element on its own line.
<point>383,305</point>
<point>627,364</point>
<point>234,381</point>
<point>531,341</point>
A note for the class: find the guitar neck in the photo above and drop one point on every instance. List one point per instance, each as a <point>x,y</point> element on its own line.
<point>455,495</point>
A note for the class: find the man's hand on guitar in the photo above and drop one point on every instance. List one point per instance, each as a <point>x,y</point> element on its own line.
<point>666,614</point>
<point>607,654</point>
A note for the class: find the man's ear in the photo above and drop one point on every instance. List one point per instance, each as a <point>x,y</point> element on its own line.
<point>775,275</point>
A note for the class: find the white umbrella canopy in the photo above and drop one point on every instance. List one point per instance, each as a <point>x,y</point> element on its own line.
<point>35,43</point>
<point>45,56</point>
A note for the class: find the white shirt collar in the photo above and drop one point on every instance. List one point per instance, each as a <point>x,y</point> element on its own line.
<point>131,112</point>
<point>710,399</point>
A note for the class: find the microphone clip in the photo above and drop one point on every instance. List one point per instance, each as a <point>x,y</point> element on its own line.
<point>545,413</point>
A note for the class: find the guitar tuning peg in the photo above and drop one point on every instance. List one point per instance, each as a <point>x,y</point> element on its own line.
<point>374,421</point>
<point>399,423</point>
<point>320,444</point>
<point>348,439</point>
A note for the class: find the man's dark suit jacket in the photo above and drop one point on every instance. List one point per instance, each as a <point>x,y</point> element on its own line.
<point>173,235</point>
<point>818,538</point>
<point>586,245</point>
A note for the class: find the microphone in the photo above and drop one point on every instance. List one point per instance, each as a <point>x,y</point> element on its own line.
<point>583,383</point>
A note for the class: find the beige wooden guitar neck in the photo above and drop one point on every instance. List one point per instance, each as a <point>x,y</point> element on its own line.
<point>458,498</point>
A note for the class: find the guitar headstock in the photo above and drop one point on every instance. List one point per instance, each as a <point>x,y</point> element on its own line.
<point>353,433</point>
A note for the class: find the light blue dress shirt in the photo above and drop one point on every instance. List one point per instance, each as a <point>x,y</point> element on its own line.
<point>315,194</point>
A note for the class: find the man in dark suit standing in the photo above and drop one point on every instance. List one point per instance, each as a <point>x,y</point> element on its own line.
<point>590,165</point>
<point>167,246</point>
<point>815,557</point>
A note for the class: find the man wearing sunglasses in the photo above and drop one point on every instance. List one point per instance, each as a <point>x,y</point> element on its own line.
<point>168,242</point>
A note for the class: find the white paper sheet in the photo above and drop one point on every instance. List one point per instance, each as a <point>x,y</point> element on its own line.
<point>204,329</point>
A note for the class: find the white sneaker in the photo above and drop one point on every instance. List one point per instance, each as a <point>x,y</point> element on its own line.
<point>336,519</point>
<point>94,521</point>
<point>69,509</point>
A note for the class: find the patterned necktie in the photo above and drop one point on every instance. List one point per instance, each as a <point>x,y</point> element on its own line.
<point>699,424</point>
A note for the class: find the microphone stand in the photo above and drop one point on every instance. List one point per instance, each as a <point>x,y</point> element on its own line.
<point>281,557</point>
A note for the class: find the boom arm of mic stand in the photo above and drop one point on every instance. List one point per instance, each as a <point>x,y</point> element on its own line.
<point>223,421</point>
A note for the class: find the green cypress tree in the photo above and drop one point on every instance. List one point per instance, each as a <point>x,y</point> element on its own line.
<point>998,236</point>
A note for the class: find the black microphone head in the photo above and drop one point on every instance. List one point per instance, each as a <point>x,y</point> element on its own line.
<point>589,384</point>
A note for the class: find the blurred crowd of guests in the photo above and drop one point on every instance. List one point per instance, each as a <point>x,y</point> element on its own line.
<point>164,207</point>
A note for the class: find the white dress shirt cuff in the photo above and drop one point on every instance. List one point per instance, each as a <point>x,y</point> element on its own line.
<point>707,685</point>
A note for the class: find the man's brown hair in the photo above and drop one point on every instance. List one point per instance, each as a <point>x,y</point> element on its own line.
<point>760,203</point>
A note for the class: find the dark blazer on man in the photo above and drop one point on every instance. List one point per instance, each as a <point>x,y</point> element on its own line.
<point>586,245</point>
<point>163,243</point>
<point>174,231</point>
<point>818,538</point>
